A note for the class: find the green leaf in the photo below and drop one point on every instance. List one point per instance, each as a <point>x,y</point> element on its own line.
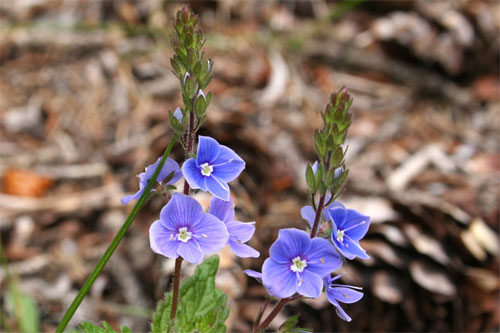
<point>320,143</point>
<point>310,180</point>
<point>337,158</point>
<point>202,307</point>
<point>320,173</point>
<point>106,328</point>
<point>24,307</point>
<point>125,329</point>
<point>200,106</point>
<point>289,326</point>
<point>174,122</point>
<point>189,87</point>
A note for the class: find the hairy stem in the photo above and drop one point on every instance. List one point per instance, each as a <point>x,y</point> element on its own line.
<point>319,210</point>
<point>114,244</point>
<point>175,292</point>
<point>321,203</point>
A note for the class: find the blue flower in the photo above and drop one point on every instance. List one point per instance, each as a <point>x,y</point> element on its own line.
<point>342,293</point>
<point>298,263</point>
<point>185,230</point>
<point>215,166</point>
<point>169,167</point>
<point>239,232</point>
<point>348,227</point>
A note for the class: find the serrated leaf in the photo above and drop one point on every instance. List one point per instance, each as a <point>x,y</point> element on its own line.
<point>202,307</point>
<point>88,327</point>
<point>91,328</point>
<point>125,329</point>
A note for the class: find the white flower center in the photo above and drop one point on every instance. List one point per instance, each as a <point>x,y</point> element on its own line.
<point>206,169</point>
<point>184,235</point>
<point>340,235</point>
<point>298,265</point>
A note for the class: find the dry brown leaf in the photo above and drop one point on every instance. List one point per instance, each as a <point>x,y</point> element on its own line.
<point>25,183</point>
<point>432,278</point>
<point>387,287</point>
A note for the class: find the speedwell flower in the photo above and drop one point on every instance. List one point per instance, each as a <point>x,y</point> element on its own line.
<point>298,263</point>
<point>239,232</point>
<point>185,230</point>
<point>215,166</point>
<point>169,167</point>
<point>342,293</point>
<point>348,227</point>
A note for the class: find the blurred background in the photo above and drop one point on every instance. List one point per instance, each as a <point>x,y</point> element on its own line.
<point>86,87</point>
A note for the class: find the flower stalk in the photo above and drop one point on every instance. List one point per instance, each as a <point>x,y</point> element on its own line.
<point>193,70</point>
<point>175,291</point>
<point>328,175</point>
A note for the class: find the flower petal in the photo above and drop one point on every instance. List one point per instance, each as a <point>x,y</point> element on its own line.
<point>359,222</point>
<point>221,209</point>
<point>278,279</point>
<point>310,284</point>
<point>228,165</point>
<point>353,247</point>
<point>337,213</point>
<point>190,251</point>
<point>169,167</point>
<point>346,295</point>
<point>240,230</point>
<point>217,187</point>
<point>161,240</point>
<point>193,175</point>
<point>341,247</point>
<point>291,243</point>
<point>180,211</point>
<point>210,233</point>
<point>340,312</point>
<point>243,250</point>
<point>322,258</point>
<point>308,214</point>
<point>126,199</point>
<point>254,274</point>
<point>148,172</point>
<point>208,150</point>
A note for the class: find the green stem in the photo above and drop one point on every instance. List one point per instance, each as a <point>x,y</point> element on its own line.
<point>114,244</point>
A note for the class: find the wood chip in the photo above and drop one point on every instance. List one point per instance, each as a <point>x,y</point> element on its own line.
<point>432,278</point>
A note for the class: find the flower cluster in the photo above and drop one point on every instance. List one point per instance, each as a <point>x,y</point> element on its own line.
<point>299,264</point>
<point>183,228</point>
